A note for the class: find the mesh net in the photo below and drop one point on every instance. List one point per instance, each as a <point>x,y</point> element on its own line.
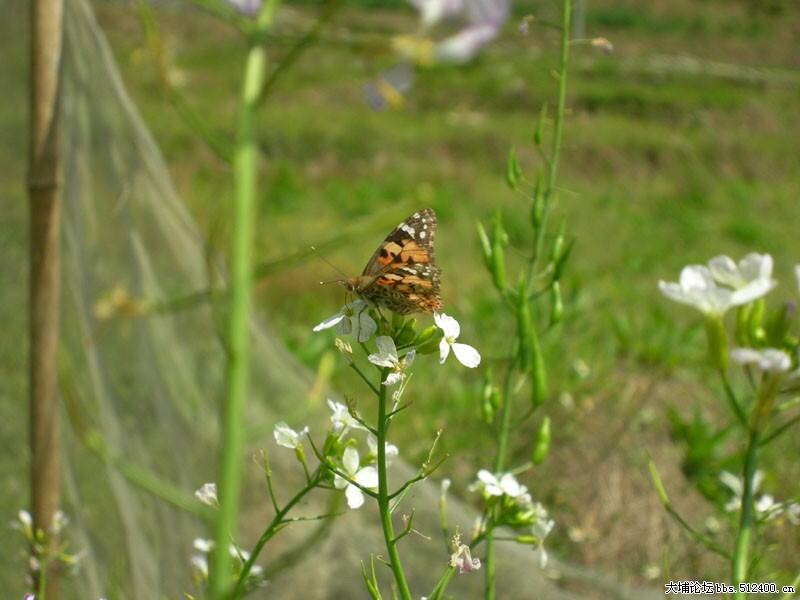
<point>145,370</point>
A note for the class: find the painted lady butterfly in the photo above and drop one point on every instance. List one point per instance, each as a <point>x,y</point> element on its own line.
<point>402,275</point>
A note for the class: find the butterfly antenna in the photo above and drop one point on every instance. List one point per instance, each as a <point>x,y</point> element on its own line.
<point>331,265</point>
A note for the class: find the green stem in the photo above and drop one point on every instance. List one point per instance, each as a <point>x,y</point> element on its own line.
<point>558,128</point>
<point>747,518</point>
<point>230,475</point>
<point>270,531</point>
<point>383,497</point>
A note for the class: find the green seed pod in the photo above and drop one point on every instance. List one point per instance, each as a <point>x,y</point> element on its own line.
<point>556,304</point>
<point>538,372</point>
<point>486,246</point>
<point>407,333</point>
<point>499,238</point>
<point>542,445</point>
<point>513,172</point>
<point>524,327</point>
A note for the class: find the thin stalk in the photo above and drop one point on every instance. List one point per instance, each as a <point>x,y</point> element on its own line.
<point>383,498</point>
<point>229,480</point>
<point>550,181</point>
<point>558,128</point>
<point>502,444</point>
<point>747,518</point>
<point>269,532</point>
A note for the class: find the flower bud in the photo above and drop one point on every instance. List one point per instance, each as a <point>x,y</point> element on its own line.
<point>499,239</point>
<point>407,332</point>
<point>542,446</point>
<point>513,172</point>
<point>397,321</point>
<point>486,246</point>
<point>558,242</point>
<point>426,334</point>
<point>717,343</point>
<point>556,304</point>
<point>487,404</point>
<point>428,340</point>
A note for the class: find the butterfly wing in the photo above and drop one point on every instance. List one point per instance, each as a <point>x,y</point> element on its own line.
<point>402,274</point>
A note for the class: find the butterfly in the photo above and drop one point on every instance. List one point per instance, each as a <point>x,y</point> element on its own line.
<point>402,274</point>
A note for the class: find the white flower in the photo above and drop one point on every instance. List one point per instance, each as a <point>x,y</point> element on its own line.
<point>483,20</point>
<point>199,565</point>
<point>541,529</point>
<point>387,357</point>
<point>353,316</point>
<point>287,437</point>
<point>466,355</point>
<point>463,561</point>
<point>341,419</point>
<point>366,477</point>
<point>753,270</point>
<point>207,494</point>
<point>202,545</point>
<point>487,484</point>
<point>767,359</point>
<point>60,521</point>
<point>23,523</point>
<point>391,449</point>
<point>697,288</point>
<point>736,485</point>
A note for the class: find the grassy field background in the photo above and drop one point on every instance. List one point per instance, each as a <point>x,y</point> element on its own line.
<point>681,145</point>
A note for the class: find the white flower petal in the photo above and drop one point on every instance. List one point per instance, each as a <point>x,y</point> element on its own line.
<point>367,477</point>
<point>366,326</point>
<point>350,460</point>
<point>285,436</point>
<point>467,355</point>
<point>752,291</point>
<point>766,359</point>
<point>449,326</point>
<point>339,482</point>
<point>733,482</point>
<point>444,350</point>
<point>392,378</point>
<point>355,498</point>
<point>207,494</point>
<point>329,322</point>
<point>725,271</point>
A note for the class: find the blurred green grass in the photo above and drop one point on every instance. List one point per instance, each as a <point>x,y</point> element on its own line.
<point>659,169</point>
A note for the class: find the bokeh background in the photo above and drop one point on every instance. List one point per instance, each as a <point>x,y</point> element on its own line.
<point>680,145</point>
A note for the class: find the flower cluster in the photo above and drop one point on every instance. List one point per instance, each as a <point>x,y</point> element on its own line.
<point>722,284</point>
<point>351,472</point>
<point>765,505</point>
<point>42,551</point>
<point>511,505</point>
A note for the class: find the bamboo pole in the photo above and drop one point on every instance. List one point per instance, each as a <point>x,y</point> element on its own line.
<point>44,192</point>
